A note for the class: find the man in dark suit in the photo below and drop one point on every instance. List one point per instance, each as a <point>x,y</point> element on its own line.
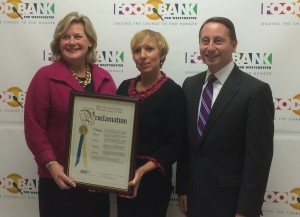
<point>229,163</point>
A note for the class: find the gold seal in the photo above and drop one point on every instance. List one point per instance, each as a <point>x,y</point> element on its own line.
<point>83,129</point>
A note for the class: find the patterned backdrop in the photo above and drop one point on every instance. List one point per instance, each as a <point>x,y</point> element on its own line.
<point>268,48</point>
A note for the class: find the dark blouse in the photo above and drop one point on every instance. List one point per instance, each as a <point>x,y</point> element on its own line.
<point>162,121</point>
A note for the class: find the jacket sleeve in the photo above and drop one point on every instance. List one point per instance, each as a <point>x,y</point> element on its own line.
<point>35,119</point>
<point>174,129</point>
<point>258,151</point>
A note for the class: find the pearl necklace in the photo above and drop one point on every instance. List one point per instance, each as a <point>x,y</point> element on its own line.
<point>87,79</point>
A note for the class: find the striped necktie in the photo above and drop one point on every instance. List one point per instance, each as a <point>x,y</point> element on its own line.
<point>205,107</point>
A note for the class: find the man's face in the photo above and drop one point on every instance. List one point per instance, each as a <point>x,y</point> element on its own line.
<point>216,47</point>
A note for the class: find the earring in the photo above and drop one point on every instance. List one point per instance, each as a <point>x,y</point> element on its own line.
<point>161,63</point>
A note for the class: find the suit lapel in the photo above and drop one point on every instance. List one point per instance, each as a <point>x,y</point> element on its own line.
<point>229,90</point>
<point>199,82</point>
<point>192,88</point>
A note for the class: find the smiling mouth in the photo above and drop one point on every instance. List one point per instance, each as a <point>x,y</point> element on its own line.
<point>210,56</point>
<point>72,48</point>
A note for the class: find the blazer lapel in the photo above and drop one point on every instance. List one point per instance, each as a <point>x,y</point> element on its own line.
<point>62,74</point>
<point>196,95</point>
<point>192,87</point>
<point>227,93</point>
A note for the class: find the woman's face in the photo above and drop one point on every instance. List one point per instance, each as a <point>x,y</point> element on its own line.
<point>74,44</point>
<point>147,57</point>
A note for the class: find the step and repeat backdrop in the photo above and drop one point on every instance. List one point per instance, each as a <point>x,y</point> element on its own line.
<point>268,48</point>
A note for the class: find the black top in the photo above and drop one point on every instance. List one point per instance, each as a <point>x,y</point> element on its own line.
<point>162,121</point>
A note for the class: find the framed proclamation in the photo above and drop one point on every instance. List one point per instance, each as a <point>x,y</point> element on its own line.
<point>101,141</point>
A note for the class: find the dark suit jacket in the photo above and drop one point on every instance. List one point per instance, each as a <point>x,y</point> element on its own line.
<point>229,167</point>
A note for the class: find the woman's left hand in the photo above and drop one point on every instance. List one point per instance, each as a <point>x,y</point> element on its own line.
<point>135,182</point>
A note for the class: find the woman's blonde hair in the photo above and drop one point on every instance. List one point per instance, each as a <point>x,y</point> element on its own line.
<point>61,28</point>
<point>148,34</point>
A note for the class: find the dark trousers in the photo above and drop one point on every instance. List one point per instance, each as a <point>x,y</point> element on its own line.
<point>152,200</point>
<point>76,202</point>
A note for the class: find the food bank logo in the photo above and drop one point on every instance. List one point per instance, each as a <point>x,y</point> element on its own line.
<point>156,9</point>
<point>276,8</point>
<point>13,96</point>
<point>239,58</point>
<point>252,58</point>
<point>291,198</point>
<point>292,104</point>
<point>15,184</point>
<point>17,9</point>
<point>193,58</point>
<point>104,57</point>
<point>110,57</point>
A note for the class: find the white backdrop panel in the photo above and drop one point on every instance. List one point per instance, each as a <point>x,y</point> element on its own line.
<point>268,48</point>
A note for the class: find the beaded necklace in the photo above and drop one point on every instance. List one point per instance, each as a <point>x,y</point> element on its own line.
<point>132,91</point>
<point>87,79</point>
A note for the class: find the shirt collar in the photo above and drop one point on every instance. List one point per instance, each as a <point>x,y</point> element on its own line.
<point>223,73</point>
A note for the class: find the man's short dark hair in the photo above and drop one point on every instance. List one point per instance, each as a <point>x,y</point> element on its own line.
<point>225,21</point>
